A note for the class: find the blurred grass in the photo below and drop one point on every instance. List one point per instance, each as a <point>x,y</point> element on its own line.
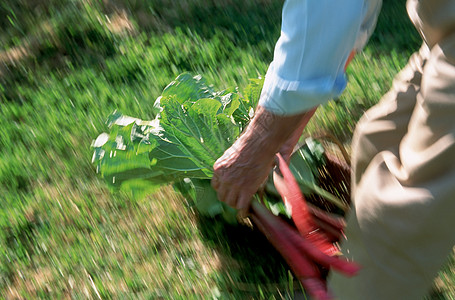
<point>64,66</point>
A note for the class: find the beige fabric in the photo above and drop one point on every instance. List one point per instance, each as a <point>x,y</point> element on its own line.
<point>434,19</point>
<point>401,228</point>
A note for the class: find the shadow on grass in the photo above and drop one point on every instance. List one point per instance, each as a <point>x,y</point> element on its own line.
<point>251,265</point>
<point>394,30</point>
<point>20,241</point>
<point>62,36</point>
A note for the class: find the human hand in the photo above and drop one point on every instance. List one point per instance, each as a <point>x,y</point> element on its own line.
<point>240,171</point>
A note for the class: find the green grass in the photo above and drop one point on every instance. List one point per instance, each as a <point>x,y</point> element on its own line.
<point>65,66</point>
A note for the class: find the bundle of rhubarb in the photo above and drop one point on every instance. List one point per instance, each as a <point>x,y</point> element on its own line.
<point>193,126</point>
<point>309,245</point>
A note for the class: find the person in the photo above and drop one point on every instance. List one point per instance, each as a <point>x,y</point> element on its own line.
<point>400,226</point>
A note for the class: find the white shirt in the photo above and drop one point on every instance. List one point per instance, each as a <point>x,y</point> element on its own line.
<point>316,39</point>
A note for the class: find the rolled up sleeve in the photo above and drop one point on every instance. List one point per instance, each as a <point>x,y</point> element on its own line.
<point>316,40</point>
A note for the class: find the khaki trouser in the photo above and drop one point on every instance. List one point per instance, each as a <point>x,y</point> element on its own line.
<point>402,225</point>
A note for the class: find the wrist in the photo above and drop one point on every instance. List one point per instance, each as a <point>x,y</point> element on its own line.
<point>268,131</point>
<point>262,135</point>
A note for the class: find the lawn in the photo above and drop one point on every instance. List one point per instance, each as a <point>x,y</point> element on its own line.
<point>64,67</point>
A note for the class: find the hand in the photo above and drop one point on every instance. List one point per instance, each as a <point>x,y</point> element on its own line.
<point>240,171</point>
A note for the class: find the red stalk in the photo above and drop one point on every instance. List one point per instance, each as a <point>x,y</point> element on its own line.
<point>332,226</point>
<point>289,190</point>
<point>334,221</point>
<point>288,233</point>
<point>332,234</point>
<point>327,261</point>
<point>293,198</point>
<point>305,270</point>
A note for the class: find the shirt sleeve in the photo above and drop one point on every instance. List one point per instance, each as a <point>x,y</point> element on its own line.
<point>309,58</point>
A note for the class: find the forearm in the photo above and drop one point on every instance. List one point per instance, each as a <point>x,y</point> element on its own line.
<point>288,147</point>
<point>269,132</point>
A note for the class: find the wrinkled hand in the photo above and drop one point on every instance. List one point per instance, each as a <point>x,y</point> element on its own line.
<point>240,171</point>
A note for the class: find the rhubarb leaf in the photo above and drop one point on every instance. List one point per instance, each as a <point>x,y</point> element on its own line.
<point>194,126</point>
<point>198,130</point>
<point>188,88</point>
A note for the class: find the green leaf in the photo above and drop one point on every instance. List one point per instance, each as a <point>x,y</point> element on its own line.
<point>187,88</point>
<point>206,200</point>
<point>304,165</point>
<point>140,188</point>
<point>193,129</point>
<point>169,157</point>
<point>248,103</point>
<point>198,131</point>
<point>252,92</point>
<point>230,103</point>
<point>207,203</point>
<point>301,170</point>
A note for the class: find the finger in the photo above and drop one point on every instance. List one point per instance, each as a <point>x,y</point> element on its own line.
<point>221,192</point>
<point>243,213</point>
<point>231,197</point>
<point>244,201</point>
<point>215,182</point>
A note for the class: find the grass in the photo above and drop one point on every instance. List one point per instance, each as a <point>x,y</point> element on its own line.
<point>64,67</point>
